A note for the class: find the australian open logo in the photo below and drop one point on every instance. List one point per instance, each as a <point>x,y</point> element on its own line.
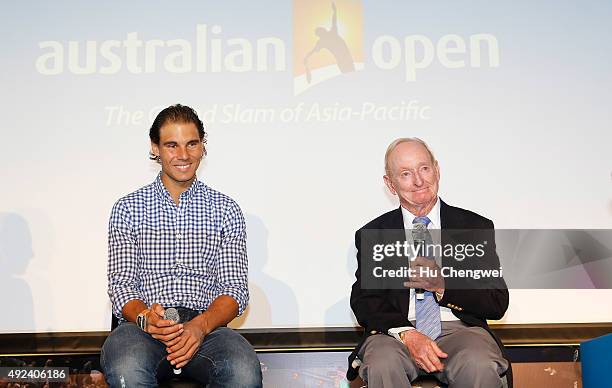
<point>327,41</point>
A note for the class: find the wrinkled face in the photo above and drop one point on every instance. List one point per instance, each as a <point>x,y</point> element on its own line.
<point>413,176</point>
<point>180,150</point>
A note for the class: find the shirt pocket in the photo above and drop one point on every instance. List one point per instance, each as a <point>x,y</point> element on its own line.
<point>153,253</point>
<point>204,254</point>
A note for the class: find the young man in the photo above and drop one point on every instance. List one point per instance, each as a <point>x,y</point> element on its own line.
<point>178,243</point>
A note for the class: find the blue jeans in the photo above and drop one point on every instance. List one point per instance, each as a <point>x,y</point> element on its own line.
<point>132,358</point>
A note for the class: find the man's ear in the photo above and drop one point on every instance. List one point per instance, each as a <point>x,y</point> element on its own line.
<point>437,167</point>
<point>389,184</point>
<point>154,149</point>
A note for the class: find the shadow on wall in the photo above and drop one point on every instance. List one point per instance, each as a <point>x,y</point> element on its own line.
<point>340,313</point>
<point>15,255</point>
<point>272,302</point>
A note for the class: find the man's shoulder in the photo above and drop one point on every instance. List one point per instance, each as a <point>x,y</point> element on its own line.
<point>130,207</point>
<point>136,196</point>
<point>225,209</point>
<point>454,217</point>
<point>216,197</point>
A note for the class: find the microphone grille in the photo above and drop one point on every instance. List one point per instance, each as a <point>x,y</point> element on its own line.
<point>172,314</point>
<point>419,231</point>
<point>419,226</point>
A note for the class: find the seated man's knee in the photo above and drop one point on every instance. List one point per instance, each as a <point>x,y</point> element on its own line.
<point>126,369</point>
<point>124,360</point>
<point>477,366</point>
<point>241,367</point>
<point>384,357</point>
<point>245,371</point>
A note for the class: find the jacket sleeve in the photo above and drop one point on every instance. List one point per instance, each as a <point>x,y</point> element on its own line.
<point>374,308</point>
<point>484,298</point>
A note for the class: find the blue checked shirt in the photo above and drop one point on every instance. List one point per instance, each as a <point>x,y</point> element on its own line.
<point>185,255</point>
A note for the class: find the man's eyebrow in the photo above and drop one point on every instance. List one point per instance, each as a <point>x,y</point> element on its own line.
<point>173,142</point>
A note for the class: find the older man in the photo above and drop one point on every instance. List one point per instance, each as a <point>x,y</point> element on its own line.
<point>439,329</point>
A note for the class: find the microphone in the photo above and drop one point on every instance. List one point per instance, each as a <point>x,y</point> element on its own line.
<point>172,314</point>
<point>419,233</point>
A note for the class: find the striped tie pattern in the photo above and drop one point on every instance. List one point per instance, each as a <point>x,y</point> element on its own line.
<point>427,309</point>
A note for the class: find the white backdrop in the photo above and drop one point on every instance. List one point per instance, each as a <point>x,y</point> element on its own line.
<point>513,98</point>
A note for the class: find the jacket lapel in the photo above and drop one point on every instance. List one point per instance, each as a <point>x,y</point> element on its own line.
<point>395,221</point>
<point>444,215</point>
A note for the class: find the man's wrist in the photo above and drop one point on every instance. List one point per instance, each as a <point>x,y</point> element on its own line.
<point>142,319</point>
<point>406,333</point>
<point>397,332</point>
<point>203,323</point>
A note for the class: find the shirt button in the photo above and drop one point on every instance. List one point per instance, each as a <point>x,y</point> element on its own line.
<point>178,235</point>
<point>179,261</point>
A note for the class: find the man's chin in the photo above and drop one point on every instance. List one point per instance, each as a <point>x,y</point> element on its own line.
<point>181,178</point>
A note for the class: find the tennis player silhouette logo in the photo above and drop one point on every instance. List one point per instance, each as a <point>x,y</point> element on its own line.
<point>327,40</point>
<point>332,41</point>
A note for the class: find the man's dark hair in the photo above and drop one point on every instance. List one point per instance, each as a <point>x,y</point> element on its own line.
<point>175,114</point>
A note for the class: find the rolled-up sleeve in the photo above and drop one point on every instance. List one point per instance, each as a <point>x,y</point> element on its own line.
<point>232,277</point>
<point>122,259</point>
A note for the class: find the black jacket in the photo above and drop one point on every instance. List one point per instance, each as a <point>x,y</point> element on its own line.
<point>377,310</point>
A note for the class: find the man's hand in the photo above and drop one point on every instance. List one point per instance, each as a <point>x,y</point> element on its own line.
<point>161,329</point>
<point>425,352</point>
<point>220,312</point>
<point>183,347</point>
<point>422,267</point>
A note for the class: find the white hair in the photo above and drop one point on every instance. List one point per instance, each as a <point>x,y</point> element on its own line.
<point>401,140</point>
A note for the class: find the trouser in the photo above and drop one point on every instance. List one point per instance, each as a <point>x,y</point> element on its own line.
<point>132,358</point>
<point>474,359</point>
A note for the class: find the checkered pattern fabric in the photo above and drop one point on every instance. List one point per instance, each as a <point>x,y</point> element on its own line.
<point>185,255</point>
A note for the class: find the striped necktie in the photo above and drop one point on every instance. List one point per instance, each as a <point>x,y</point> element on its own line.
<point>427,309</point>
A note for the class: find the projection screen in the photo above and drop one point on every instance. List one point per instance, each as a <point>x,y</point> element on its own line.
<point>299,102</point>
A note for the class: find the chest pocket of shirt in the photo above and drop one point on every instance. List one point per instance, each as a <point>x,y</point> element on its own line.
<point>205,251</point>
<point>152,249</point>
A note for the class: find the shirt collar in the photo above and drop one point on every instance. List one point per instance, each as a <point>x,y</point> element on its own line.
<point>433,215</point>
<point>185,195</point>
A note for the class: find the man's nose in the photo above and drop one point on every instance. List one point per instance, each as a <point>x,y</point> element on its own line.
<point>181,153</point>
<point>418,181</point>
